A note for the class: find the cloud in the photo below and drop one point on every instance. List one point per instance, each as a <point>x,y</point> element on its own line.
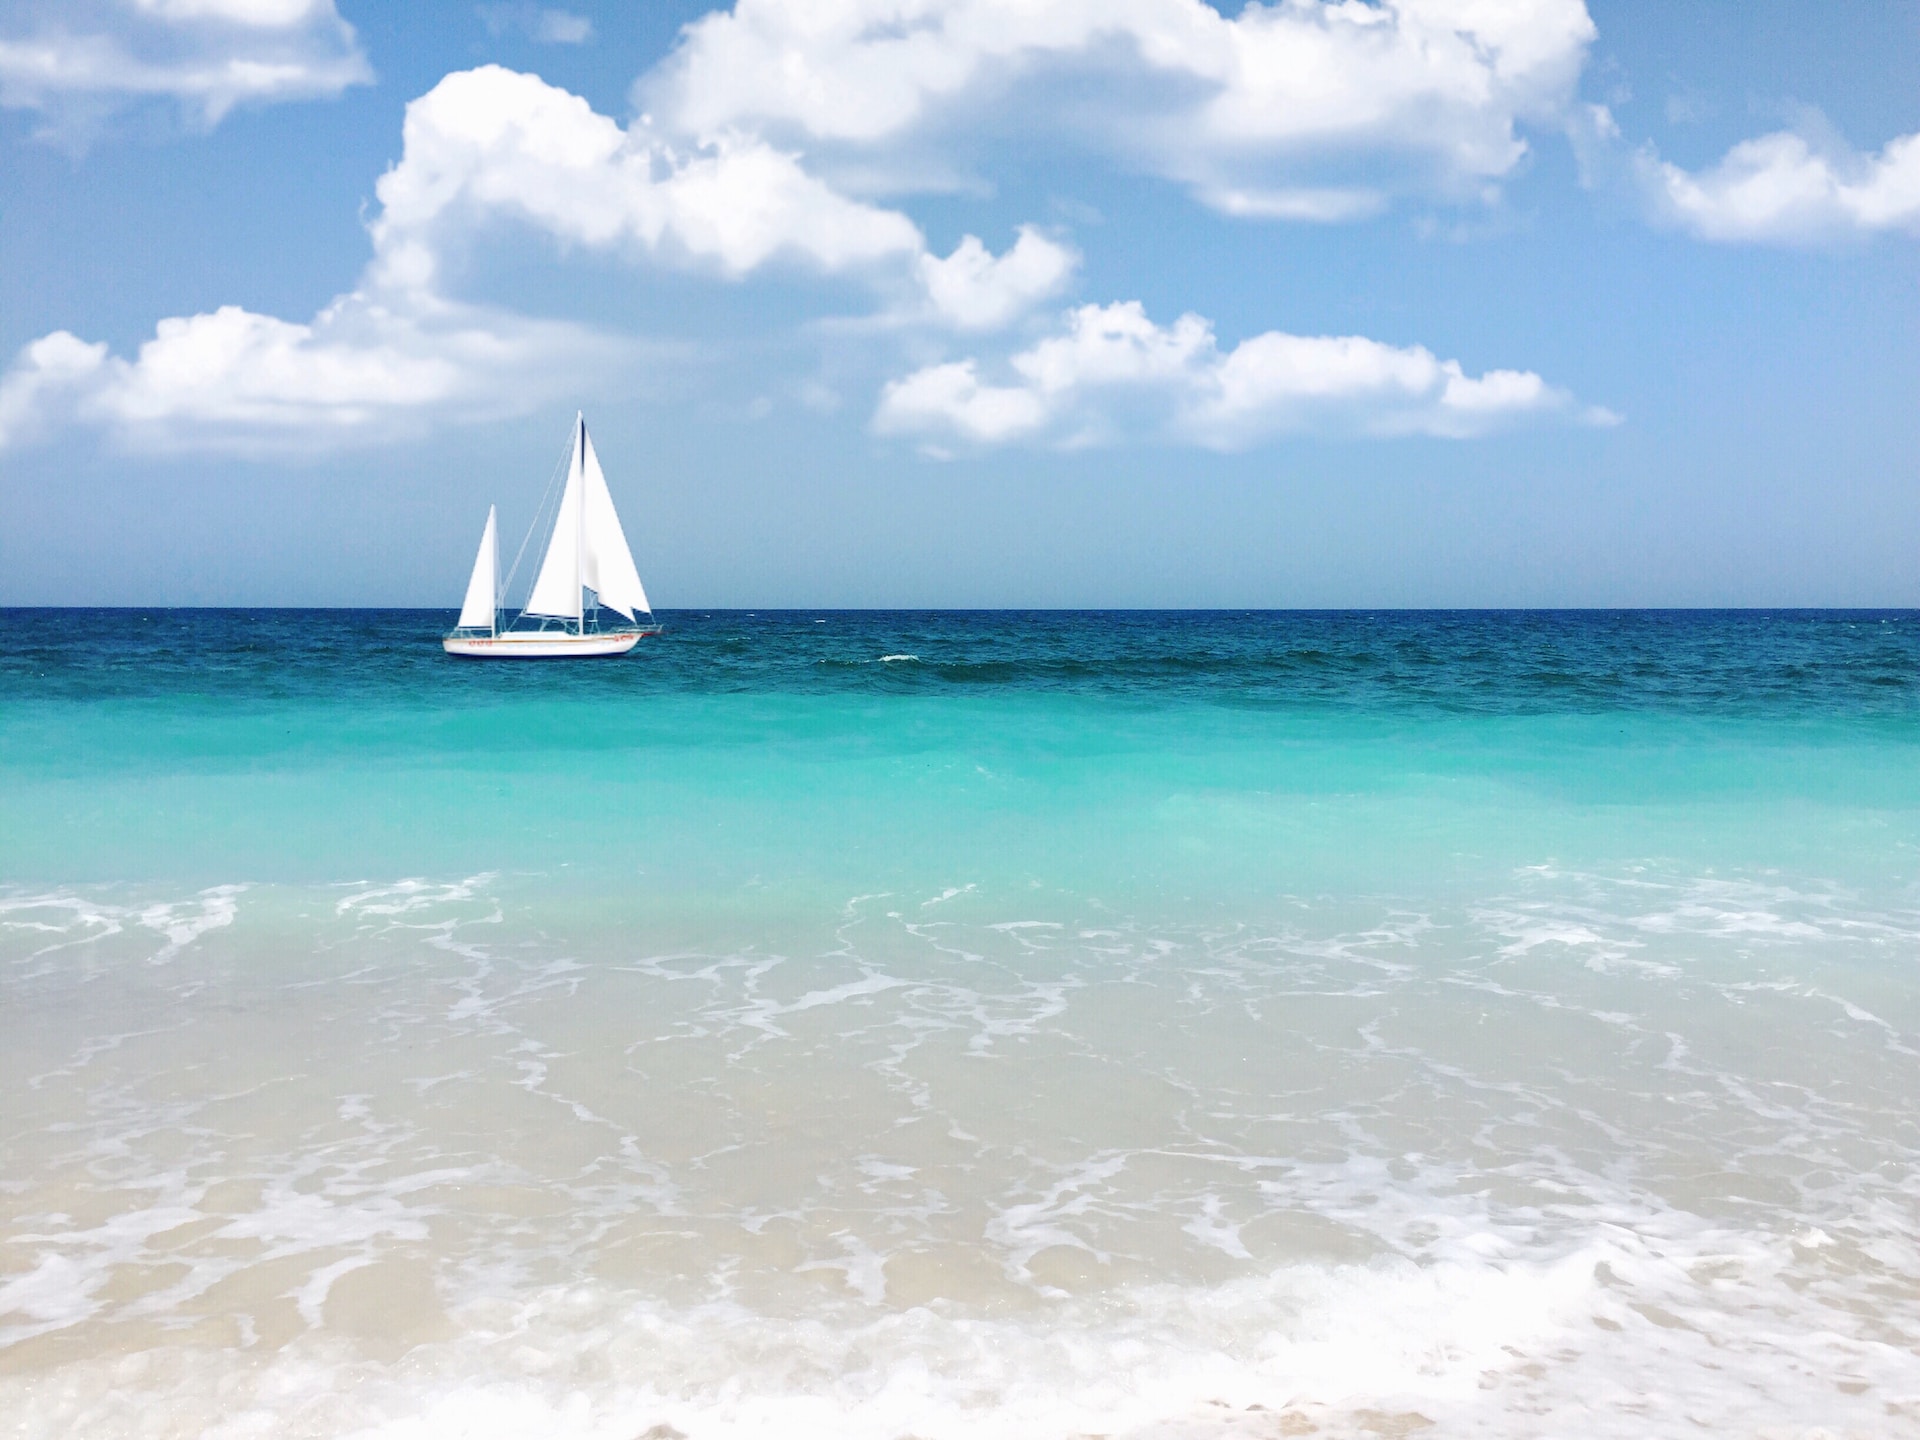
<point>1306,109</point>
<point>53,368</point>
<point>1112,374</point>
<point>975,290</point>
<point>495,143</point>
<point>239,381</point>
<point>1780,189</point>
<point>542,25</point>
<point>492,144</point>
<point>951,400</point>
<point>259,14</point>
<point>481,147</point>
<point>78,62</point>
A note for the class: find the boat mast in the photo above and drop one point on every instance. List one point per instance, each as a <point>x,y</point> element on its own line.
<point>494,530</point>
<point>579,524</point>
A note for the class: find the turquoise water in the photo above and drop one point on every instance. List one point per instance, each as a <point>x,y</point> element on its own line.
<point>1036,1024</point>
<point>1214,752</point>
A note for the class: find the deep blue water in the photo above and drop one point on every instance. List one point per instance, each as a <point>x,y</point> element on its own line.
<point>1854,664</point>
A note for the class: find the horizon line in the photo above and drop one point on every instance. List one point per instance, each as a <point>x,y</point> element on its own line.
<point>1727,609</point>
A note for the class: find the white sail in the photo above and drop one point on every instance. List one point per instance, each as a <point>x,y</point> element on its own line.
<point>556,590</point>
<point>606,563</point>
<point>476,612</point>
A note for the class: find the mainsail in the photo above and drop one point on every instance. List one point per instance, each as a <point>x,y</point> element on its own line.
<point>476,611</point>
<point>588,549</point>
<point>556,590</point>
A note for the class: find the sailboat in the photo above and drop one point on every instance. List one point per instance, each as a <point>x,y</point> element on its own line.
<point>586,555</point>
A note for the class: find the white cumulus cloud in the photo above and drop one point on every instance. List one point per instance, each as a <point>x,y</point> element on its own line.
<point>495,143</point>
<point>491,144</point>
<point>950,400</point>
<point>485,146</point>
<point>1112,373</point>
<point>1781,189</point>
<point>240,381</point>
<point>46,374</point>
<point>1311,109</point>
<point>76,62</point>
<point>974,289</point>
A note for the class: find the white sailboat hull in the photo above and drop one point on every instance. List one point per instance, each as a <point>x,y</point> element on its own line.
<point>536,646</point>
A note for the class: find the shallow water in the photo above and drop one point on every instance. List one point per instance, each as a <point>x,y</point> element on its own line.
<point>962,1025</point>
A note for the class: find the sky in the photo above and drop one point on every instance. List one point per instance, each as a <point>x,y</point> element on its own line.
<point>966,303</point>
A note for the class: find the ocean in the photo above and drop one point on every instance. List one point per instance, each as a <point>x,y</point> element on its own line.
<point>1024,1025</point>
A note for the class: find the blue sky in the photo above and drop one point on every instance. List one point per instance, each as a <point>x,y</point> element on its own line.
<point>963,302</point>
